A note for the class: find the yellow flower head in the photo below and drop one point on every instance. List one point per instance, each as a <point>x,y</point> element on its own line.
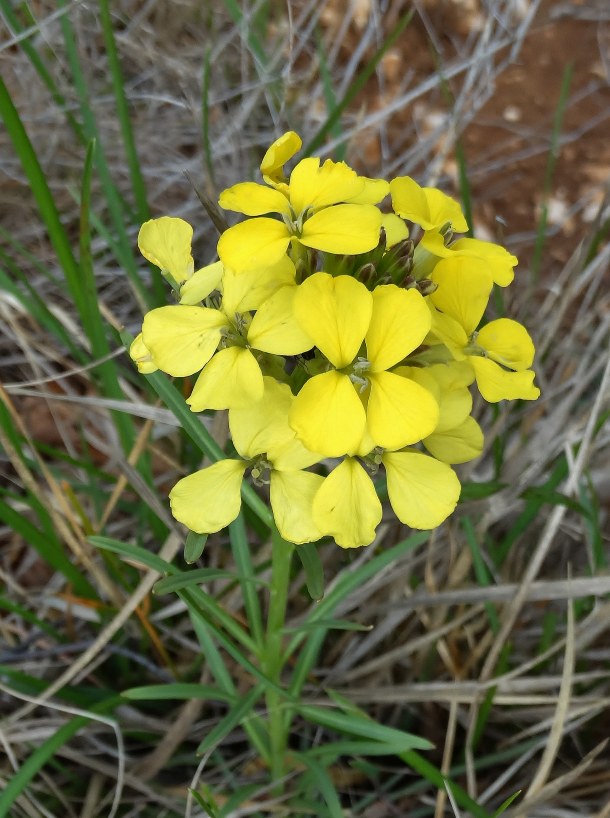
<point>327,207</point>
<point>334,408</point>
<point>210,499</point>
<point>362,363</point>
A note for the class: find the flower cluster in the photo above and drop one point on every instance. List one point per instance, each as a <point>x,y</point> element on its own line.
<point>341,348</point>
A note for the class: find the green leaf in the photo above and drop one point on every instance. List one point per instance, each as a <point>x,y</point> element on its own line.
<point>16,784</point>
<point>330,625</point>
<point>194,545</point>
<point>134,552</point>
<point>138,185</point>
<point>116,207</point>
<point>506,804</point>
<point>478,491</point>
<point>345,585</point>
<point>362,748</point>
<point>440,781</point>
<point>240,711</point>
<point>206,803</point>
<point>321,781</point>
<point>205,117</point>
<point>186,579</point>
<point>240,546</point>
<point>314,570</point>
<point>177,691</point>
<point>210,807</point>
<point>352,724</point>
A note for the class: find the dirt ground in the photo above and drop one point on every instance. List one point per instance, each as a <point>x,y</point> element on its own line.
<point>508,142</point>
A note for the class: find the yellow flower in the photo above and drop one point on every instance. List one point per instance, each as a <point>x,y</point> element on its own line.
<point>430,208</point>
<point>500,262</point>
<point>210,499</point>
<point>423,492</point>
<point>327,207</point>
<point>457,437</point>
<point>184,339</point>
<point>333,409</point>
<point>233,378</point>
<point>346,506</point>
<point>502,351</point>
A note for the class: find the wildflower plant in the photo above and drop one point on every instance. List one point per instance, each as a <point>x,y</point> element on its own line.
<point>341,346</point>
<point>342,328</point>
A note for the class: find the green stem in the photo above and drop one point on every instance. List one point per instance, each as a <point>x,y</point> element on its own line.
<point>279,726</point>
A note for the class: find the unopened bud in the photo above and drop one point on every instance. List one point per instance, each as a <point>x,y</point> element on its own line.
<point>366,273</point>
<point>426,287</point>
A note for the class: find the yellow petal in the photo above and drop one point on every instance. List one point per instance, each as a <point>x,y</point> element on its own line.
<point>458,444</point>
<point>496,384</point>
<point>343,228</point>
<point>275,329</point>
<point>399,323</point>
<point>450,332</point>
<point>452,375</point>
<point>263,425</point>
<point>426,206</point>
<point>201,283</point>
<point>253,244</point>
<point>335,313</point>
<point>508,343</point>
<point>409,201</point>
<point>500,261</point>
<point>292,455</point>
<point>232,379</point>
<point>346,506</point>
<point>277,155</point>
<point>253,199</point>
<point>140,355</point>
<point>395,229</point>
<point>316,187</point>
<point>291,495</point>
<point>464,286</point>
<point>373,192</point>
<point>454,399</point>
<point>166,242</point>
<point>399,411</point>
<point>327,415</point>
<point>443,209</point>
<point>209,499</point>
<point>247,291</point>
<point>182,339</point>
<point>423,492</point>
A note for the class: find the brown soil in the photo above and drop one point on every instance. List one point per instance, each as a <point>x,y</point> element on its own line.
<point>508,142</point>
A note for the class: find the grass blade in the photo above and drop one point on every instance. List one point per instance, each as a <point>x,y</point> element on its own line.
<point>564,93</point>
<point>240,710</point>
<point>32,766</point>
<point>248,579</point>
<point>176,691</point>
<point>324,609</point>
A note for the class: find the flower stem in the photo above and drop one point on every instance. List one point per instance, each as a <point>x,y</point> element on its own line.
<point>279,724</point>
